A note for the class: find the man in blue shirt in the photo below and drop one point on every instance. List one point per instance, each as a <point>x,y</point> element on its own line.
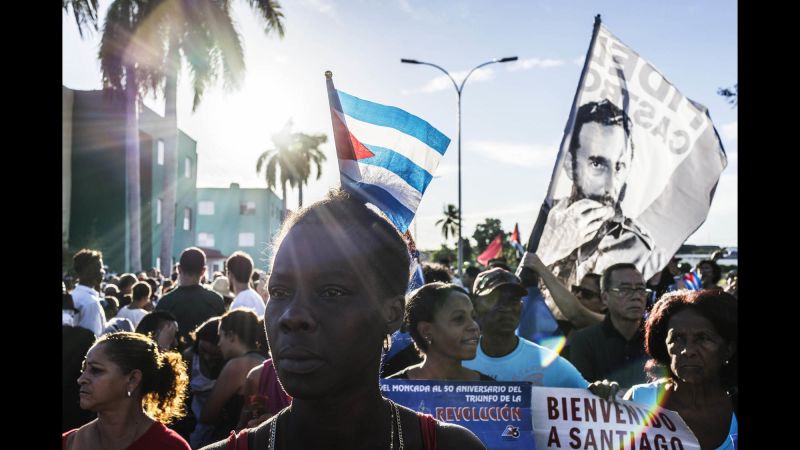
<point>504,356</point>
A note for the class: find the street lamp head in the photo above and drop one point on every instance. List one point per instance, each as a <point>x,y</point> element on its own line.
<point>507,59</point>
<point>409,61</point>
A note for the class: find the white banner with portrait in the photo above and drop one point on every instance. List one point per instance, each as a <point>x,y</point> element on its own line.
<point>636,170</point>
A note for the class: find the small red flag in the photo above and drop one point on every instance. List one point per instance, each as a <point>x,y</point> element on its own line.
<point>493,250</point>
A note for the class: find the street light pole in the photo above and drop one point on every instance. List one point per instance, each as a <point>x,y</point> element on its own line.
<point>459,90</point>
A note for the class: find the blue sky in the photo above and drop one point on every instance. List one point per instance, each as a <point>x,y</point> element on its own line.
<point>513,115</point>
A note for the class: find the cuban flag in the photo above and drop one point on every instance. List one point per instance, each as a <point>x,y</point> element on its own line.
<point>692,281</point>
<point>387,156</point>
<point>515,242</point>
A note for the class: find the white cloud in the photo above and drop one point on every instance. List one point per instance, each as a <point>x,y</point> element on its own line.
<point>525,155</point>
<point>578,61</point>
<point>418,13</point>
<point>320,6</point>
<point>731,130</point>
<point>443,82</point>
<point>532,63</point>
<point>444,170</point>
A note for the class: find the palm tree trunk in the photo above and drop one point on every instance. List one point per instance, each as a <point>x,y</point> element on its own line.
<point>170,156</point>
<point>283,202</point>
<point>300,195</point>
<point>132,178</point>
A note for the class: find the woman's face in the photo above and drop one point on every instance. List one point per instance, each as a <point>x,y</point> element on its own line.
<point>324,317</point>
<point>454,332</point>
<point>102,382</point>
<point>210,355</point>
<point>696,350</point>
<point>706,273</point>
<point>227,344</point>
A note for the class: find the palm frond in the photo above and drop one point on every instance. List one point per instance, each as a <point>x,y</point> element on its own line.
<point>271,12</point>
<point>230,51</point>
<point>84,11</point>
<point>270,172</point>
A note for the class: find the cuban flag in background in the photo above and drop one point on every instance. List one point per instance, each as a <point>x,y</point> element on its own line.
<point>387,156</point>
<point>692,281</point>
<point>515,242</point>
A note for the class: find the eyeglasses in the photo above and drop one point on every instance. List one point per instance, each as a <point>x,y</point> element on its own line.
<point>627,292</point>
<point>582,291</point>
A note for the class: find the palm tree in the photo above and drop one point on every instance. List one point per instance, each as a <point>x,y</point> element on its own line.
<point>203,34</point>
<point>281,162</point>
<point>306,149</point>
<point>449,222</point>
<point>85,12</point>
<point>130,67</point>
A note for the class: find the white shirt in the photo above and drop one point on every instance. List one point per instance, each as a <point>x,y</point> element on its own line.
<point>249,299</point>
<point>134,315</point>
<point>90,313</point>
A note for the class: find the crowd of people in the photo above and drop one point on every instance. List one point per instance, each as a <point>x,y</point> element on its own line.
<point>192,362</point>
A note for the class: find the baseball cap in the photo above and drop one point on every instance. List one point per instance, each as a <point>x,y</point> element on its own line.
<point>489,280</point>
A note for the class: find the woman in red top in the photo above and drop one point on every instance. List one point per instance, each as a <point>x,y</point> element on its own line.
<point>134,388</point>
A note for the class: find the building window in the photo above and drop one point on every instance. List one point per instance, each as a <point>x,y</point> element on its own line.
<point>205,239</point>
<point>205,208</point>
<point>247,208</point>
<point>187,168</point>
<point>187,219</point>
<point>247,239</point>
<point>160,152</point>
<point>158,210</point>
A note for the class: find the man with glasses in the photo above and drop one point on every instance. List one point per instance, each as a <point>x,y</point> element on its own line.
<point>614,348</point>
<point>504,356</point>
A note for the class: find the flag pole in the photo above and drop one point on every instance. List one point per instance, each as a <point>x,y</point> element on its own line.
<point>541,220</point>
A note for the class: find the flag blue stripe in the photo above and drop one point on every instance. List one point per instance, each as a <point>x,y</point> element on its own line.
<point>414,175</point>
<point>400,216</point>
<point>389,116</point>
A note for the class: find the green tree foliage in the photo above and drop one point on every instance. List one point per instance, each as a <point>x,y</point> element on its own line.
<point>485,232</point>
<point>444,252</point>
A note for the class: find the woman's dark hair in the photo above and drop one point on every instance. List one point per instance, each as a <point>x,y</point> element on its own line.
<point>720,308</point>
<point>716,270</point>
<point>433,272</point>
<point>153,321</point>
<point>381,245</point>
<point>164,380</point>
<point>422,304</point>
<point>206,331</point>
<point>244,324</point>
